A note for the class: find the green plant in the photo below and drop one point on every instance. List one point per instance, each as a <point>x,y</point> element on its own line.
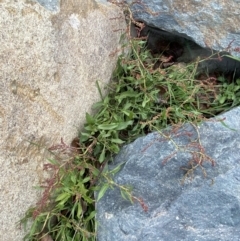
<point>66,210</point>
<point>143,97</point>
<point>229,93</point>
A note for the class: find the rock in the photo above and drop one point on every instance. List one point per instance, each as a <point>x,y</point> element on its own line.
<point>52,5</point>
<point>202,208</point>
<point>210,24</point>
<point>49,64</point>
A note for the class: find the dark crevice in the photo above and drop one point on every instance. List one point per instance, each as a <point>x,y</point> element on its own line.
<point>183,50</point>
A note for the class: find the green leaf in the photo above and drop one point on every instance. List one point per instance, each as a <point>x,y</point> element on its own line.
<point>79,210</point>
<point>130,78</point>
<point>236,88</point>
<point>106,134</point>
<point>63,196</point>
<point>99,89</point>
<point>102,156</point>
<point>128,113</point>
<point>86,179</point>
<point>124,125</point>
<point>127,106</point>
<point>34,228</point>
<point>89,119</point>
<point>124,194</point>
<point>74,179</point>
<point>111,126</point>
<point>91,216</point>
<point>118,141</point>
<point>88,199</point>
<point>84,136</point>
<point>106,100</point>
<point>91,128</point>
<point>98,105</point>
<point>73,210</point>
<point>63,199</point>
<point>82,171</point>
<point>127,94</point>
<point>102,191</point>
<point>145,101</point>
<point>117,169</point>
<point>98,148</point>
<point>114,148</point>
<point>222,99</point>
<point>95,172</point>
<point>69,225</point>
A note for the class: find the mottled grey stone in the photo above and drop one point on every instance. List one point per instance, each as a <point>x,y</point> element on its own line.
<point>213,24</point>
<point>52,5</point>
<point>201,209</point>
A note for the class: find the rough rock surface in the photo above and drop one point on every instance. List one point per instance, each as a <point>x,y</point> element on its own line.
<point>201,209</point>
<point>52,5</point>
<point>212,24</point>
<point>49,64</point>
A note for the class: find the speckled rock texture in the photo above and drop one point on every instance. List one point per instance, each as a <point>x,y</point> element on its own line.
<point>213,24</point>
<point>201,209</point>
<point>51,55</point>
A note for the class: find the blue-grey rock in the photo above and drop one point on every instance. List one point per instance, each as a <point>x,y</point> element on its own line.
<point>52,5</point>
<point>211,24</point>
<point>203,208</point>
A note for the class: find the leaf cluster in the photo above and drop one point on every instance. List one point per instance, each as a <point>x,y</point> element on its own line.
<point>143,98</point>
<point>68,213</point>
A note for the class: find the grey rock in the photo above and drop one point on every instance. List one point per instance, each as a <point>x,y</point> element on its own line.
<point>52,5</point>
<point>211,24</point>
<point>201,209</point>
